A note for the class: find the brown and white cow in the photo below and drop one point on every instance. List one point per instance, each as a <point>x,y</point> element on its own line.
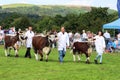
<point>82,48</point>
<point>10,41</point>
<point>41,45</point>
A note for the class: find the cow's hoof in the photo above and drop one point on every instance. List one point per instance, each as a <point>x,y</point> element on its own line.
<point>74,61</point>
<point>78,60</point>
<point>41,59</point>
<point>95,61</point>
<point>46,60</point>
<point>8,55</point>
<point>16,56</point>
<point>87,62</point>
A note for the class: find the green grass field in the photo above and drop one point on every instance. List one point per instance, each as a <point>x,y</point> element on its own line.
<point>12,68</point>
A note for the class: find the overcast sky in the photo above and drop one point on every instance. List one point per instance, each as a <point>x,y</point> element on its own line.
<point>98,3</point>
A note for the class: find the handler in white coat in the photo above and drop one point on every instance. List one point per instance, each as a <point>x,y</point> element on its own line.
<point>29,35</point>
<point>63,43</point>
<point>100,46</point>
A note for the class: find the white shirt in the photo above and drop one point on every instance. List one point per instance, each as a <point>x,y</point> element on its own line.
<point>84,35</point>
<point>106,35</point>
<point>70,35</point>
<point>99,44</point>
<point>12,32</point>
<point>118,36</point>
<point>77,38</point>
<point>1,32</point>
<point>63,40</point>
<point>29,36</point>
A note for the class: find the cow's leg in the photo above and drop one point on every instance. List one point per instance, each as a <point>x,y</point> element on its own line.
<point>41,57</point>
<point>87,58</point>
<point>6,52</point>
<point>78,56</point>
<point>16,50</point>
<point>74,59</point>
<point>47,51</point>
<point>74,53</point>
<point>36,56</point>
<point>41,54</point>
<point>16,53</point>
<point>46,58</point>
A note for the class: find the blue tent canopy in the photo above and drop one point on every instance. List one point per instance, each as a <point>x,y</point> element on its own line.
<point>113,25</point>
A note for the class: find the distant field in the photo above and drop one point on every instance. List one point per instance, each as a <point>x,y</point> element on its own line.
<point>50,10</point>
<point>17,5</point>
<point>12,68</point>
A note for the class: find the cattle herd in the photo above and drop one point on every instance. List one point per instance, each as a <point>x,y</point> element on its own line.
<point>43,45</point>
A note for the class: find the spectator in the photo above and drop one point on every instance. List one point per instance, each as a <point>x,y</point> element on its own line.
<point>77,37</point>
<point>84,36</point>
<point>12,31</point>
<point>118,38</point>
<point>107,37</point>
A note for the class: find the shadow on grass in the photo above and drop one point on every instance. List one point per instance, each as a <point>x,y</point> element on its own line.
<point>70,61</point>
<point>55,60</point>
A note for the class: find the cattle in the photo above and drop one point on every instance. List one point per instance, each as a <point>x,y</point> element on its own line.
<point>10,41</point>
<point>82,47</point>
<point>41,45</point>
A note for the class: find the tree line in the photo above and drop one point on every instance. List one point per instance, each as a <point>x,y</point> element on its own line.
<point>92,20</point>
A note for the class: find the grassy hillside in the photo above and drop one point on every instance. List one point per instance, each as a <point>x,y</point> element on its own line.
<point>44,9</point>
<point>12,68</point>
<point>50,10</point>
<point>16,5</point>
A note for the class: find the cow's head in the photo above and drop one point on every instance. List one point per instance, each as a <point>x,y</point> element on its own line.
<point>21,36</point>
<point>49,41</point>
<point>17,36</point>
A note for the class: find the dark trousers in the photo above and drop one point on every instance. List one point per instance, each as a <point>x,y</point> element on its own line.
<point>28,53</point>
<point>107,40</point>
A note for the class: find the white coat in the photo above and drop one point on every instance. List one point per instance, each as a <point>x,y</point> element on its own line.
<point>2,33</point>
<point>63,40</point>
<point>29,38</point>
<point>99,44</point>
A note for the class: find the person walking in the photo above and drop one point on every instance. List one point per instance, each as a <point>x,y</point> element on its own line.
<point>63,43</point>
<point>29,35</point>
<point>100,46</point>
